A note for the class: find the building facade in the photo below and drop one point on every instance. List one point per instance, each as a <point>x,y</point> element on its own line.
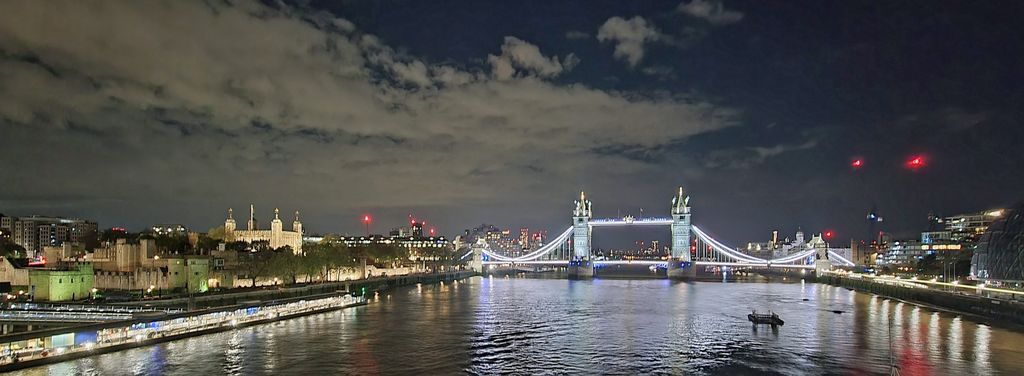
<point>67,282</point>
<point>36,232</point>
<point>276,236</point>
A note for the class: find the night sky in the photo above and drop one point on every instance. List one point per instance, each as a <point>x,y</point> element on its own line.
<point>469,112</point>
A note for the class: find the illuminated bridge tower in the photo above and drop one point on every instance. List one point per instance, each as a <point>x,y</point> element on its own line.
<point>580,265</point>
<point>680,265</point>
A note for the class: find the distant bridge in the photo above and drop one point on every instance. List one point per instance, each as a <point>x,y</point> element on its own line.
<point>704,250</point>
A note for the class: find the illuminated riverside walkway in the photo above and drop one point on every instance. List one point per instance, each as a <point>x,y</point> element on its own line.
<point>34,348</point>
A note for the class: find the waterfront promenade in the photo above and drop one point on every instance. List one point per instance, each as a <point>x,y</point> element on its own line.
<point>983,302</point>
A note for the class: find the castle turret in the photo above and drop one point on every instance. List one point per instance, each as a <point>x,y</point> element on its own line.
<point>296,225</point>
<point>229,224</point>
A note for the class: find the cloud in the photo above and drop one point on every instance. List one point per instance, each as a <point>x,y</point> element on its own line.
<point>629,37</point>
<point>520,57</point>
<point>576,34</point>
<point>712,11</point>
<point>746,157</point>
<point>660,71</point>
<point>173,105</point>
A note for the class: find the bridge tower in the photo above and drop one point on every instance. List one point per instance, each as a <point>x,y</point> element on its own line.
<point>477,263</point>
<point>580,265</point>
<point>821,262</point>
<point>680,265</point>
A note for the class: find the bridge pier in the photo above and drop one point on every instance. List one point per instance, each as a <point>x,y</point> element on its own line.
<point>581,269</point>
<point>682,270</point>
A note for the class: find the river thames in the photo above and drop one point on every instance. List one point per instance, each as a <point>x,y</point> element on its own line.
<point>603,326</point>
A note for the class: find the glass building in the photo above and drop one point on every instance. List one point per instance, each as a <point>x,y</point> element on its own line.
<point>999,256</point>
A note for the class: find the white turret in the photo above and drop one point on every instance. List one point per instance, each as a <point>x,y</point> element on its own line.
<point>229,224</point>
<point>681,203</point>
<point>583,207</point>
<point>297,226</point>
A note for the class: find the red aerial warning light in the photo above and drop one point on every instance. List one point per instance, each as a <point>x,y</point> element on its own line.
<point>915,162</point>
<point>857,163</point>
<point>432,231</point>
<point>828,234</point>
<point>366,218</point>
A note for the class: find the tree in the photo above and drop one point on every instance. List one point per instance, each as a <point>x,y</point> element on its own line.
<point>177,243</point>
<point>285,264</point>
<point>216,233</point>
<point>10,249</point>
<point>255,264</point>
<point>206,243</point>
<point>239,246</point>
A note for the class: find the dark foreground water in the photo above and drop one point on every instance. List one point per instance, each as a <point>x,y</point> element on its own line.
<point>550,326</point>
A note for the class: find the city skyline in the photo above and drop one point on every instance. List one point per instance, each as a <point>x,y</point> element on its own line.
<point>467,113</point>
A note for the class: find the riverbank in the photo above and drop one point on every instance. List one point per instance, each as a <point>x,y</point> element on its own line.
<point>981,306</point>
<point>29,349</point>
<point>360,287</point>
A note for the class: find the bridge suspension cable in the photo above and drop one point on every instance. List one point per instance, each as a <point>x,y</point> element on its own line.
<point>545,249</point>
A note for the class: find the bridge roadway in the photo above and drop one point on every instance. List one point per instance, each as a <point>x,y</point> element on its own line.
<point>652,262</point>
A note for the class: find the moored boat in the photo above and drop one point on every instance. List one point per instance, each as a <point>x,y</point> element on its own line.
<point>770,318</point>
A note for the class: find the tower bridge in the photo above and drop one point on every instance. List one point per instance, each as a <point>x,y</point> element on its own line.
<point>687,253</point>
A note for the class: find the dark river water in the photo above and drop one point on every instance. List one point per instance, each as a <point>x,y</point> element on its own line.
<point>551,326</point>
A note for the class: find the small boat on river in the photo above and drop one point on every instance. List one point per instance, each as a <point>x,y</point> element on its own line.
<point>770,318</point>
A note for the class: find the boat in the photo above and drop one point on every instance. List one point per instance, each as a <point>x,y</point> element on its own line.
<point>770,318</point>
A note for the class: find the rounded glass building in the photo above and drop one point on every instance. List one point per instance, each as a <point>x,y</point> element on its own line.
<point>1000,252</point>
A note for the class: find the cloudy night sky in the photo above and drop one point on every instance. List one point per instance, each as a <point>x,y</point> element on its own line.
<point>469,112</point>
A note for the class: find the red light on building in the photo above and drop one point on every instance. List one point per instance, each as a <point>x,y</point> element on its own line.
<point>432,231</point>
<point>857,163</point>
<point>828,234</point>
<point>366,218</point>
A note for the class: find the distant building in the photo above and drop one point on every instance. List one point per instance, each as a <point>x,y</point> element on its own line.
<point>67,281</point>
<point>14,271</point>
<point>905,253</point>
<point>169,229</point>
<point>969,227</point>
<point>775,248</point>
<point>276,236</point>
<point>999,256</point>
<point>411,242</point>
<point>138,266</point>
<point>35,232</point>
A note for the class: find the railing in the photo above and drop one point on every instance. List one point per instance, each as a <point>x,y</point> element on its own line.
<point>83,341</point>
<point>54,316</point>
<point>87,308</point>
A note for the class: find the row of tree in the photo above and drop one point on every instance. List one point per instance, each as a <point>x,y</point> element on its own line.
<point>318,260</point>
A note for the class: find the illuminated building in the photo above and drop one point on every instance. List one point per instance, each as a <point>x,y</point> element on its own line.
<point>71,281</point>
<point>969,227</point>
<point>169,229</point>
<point>411,242</point>
<point>999,257</point>
<point>35,232</point>
<point>277,237</point>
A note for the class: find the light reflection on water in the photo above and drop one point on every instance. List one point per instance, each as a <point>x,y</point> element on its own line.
<point>538,326</point>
